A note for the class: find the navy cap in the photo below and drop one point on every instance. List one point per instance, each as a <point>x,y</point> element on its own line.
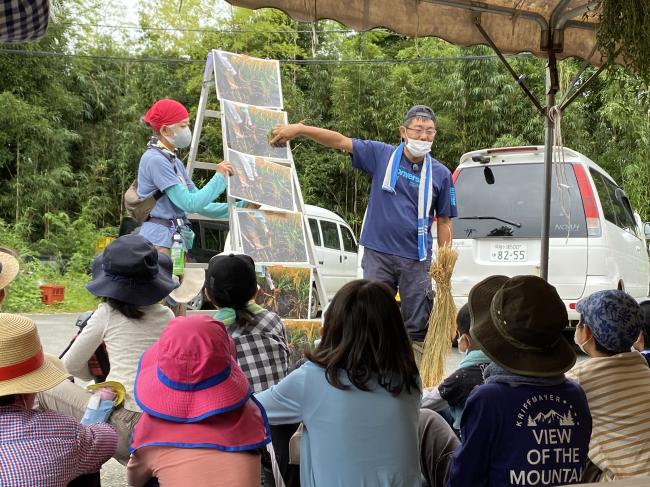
<point>420,111</point>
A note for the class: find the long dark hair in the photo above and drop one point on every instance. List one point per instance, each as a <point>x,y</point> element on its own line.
<point>364,335</point>
<point>128,310</point>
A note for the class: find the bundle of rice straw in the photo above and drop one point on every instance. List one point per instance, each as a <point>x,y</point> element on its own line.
<point>442,322</point>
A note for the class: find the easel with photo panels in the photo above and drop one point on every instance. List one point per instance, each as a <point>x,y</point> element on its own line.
<point>220,75</point>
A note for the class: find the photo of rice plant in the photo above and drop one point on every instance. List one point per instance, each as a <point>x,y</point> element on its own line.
<point>285,291</point>
<point>246,79</point>
<point>261,181</point>
<point>271,237</point>
<point>248,129</point>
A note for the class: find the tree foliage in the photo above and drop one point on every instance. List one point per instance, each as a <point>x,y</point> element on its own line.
<point>70,137</point>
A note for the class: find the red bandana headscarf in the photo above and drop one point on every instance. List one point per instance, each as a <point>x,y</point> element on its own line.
<point>165,112</point>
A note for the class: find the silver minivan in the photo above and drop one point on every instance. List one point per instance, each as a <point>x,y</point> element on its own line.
<point>596,240</point>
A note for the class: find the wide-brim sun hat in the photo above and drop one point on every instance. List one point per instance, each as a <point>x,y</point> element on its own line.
<point>133,272</point>
<point>244,429</point>
<point>8,269</point>
<point>191,286</point>
<point>518,322</point>
<point>191,372</point>
<point>24,368</point>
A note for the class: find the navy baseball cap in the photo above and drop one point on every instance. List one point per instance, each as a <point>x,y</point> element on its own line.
<point>420,111</point>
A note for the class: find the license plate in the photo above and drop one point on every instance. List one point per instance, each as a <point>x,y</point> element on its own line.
<point>509,252</point>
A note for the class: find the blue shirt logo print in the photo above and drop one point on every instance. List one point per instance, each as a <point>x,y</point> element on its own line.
<point>412,178</point>
<point>452,195</point>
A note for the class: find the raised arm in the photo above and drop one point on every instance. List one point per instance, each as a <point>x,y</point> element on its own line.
<point>329,138</point>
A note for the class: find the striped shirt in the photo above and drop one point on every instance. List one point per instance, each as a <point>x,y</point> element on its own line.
<point>618,389</point>
<point>45,448</point>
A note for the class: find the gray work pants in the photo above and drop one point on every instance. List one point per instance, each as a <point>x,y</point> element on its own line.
<point>412,279</point>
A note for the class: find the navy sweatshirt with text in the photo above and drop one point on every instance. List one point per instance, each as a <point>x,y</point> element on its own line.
<point>526,435</point>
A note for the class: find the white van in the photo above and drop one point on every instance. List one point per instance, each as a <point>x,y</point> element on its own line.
<point>335,247</point>
<point>596,242</point>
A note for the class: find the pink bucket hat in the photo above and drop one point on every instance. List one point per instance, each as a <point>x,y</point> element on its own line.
<point>191,372</point>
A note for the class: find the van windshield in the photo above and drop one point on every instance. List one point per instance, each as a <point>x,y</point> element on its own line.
<point>511,196</point>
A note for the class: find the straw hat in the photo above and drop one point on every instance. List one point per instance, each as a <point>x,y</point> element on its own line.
<point>24,368</point>
<point>8,269</point>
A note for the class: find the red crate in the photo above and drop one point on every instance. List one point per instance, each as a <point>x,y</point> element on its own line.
<point>52,293</point>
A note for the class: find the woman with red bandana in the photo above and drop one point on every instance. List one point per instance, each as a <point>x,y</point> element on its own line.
<point>161,170</point>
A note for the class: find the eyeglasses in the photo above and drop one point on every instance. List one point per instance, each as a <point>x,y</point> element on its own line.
<point>418,131</point>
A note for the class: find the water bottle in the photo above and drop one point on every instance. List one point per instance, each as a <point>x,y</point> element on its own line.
<point>100,405</point>
<point>177,253</point>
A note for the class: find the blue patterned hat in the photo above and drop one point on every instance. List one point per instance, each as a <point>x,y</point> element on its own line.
<point>614,317</point>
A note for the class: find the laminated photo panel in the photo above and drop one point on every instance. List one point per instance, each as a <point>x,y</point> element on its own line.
<point>248,129</point>
<point>271,237</point>
<point>246,79</point>
<point>285,290</point>
<point>261,181</point>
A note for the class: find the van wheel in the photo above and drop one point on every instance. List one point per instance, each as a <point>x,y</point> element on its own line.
<point>314,311</point>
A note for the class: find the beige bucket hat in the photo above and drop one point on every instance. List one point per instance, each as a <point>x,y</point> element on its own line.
<point>24,368</point>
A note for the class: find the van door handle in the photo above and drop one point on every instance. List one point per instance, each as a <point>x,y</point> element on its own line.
<point>320,262</point>
<point>340,259</point>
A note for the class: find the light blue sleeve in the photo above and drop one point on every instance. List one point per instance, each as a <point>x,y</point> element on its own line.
<point>284,402</point>
<point>194,202</point>
<point>219,210</point>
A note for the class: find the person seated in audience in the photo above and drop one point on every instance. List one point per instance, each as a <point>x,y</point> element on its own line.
<point>40,448</point>
<point>527,424</point>
<point>260,338</point>
<point>200,426</point>
<point>131,278</point>
<point>617,383</point>
<point>454,390</point>
<point>358,395</point>
<point>642,344</point>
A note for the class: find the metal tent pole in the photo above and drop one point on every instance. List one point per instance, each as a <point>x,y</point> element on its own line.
<point>549,127</point>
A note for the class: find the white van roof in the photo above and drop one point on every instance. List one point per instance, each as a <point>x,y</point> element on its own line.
<point>525,154</point>
<point>319,212</point>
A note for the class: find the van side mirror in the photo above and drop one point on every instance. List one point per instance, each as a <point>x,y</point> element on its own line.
<point>646,229</point>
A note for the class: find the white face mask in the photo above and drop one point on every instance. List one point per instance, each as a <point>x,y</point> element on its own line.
<point>418,148</point>
<point>181,139</point>
<point>462,352</point>
<point>581,346</point>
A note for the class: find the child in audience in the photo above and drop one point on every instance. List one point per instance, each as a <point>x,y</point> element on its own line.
<point>132,278</point>
<point>455,389</point>
<point>40,447</point>
<point>260,338</point>
<point>617,383</point>
<point>358,395</point>
<point>200,426</point>
<point>528,424</point>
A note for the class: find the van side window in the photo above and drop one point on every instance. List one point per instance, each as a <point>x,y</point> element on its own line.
<point>349,245</point>
<point>315,234</point>
<point>615,210</point>
<point>330,235</point>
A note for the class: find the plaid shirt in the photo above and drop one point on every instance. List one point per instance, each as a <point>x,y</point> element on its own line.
<point>48,449</point>
<point>23,20</point>
<point>262,350</point>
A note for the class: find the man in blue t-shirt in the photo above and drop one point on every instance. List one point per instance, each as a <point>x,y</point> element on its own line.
<point>408,189</point>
